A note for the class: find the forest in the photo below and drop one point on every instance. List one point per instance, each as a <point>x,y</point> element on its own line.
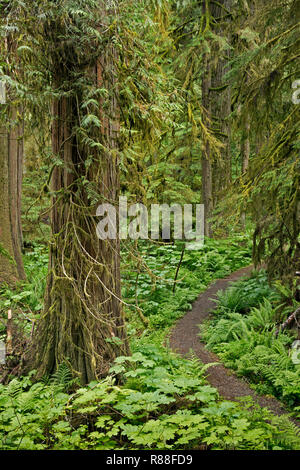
<point>150,226</point>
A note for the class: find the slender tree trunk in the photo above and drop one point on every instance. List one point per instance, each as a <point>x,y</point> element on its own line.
<point>245,155</point>
<point>11,166</point>
<point>83,322</point>
<point>221,100</point>
<point>216,100</point>
<point>206,162</point>
<point>245,146</point>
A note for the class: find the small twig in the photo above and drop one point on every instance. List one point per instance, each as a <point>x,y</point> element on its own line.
<point>178,267</point>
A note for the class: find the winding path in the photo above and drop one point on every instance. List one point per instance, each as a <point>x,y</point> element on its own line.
<point>184,337</point>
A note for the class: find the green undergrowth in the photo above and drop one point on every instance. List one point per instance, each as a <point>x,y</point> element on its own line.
<point>26,299</point>
<point>243,334</point>
<point>153,399</point>
<point>151,288</point>
<point>147,282</point>
<point>165,403</point>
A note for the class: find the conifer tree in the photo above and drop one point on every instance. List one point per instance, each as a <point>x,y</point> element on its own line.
<point>11,157</point>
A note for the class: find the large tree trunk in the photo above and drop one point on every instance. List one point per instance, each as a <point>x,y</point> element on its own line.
<point>83,322</point>
<point>11,165</point>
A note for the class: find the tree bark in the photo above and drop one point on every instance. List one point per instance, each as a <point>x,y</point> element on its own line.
<point>245,146</point>
<point>83,322</point>
<point>11,167</point>
<point>216,100</point>
<point>221,100</point>
<point>206,161</point>
<point>245,154</point>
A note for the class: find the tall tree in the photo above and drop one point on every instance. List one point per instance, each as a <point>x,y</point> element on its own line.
<point>216,102</point>
<point>206,161</point>
<point>11,165</point>
<point>264,73</point>
<point>83,321</point>
<point>207,155</point>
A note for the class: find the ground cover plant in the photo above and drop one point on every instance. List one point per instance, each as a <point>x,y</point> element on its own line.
<point>243,331</point>
<point>165,403</point>
<point>152,399</point>
<point>111,111</point>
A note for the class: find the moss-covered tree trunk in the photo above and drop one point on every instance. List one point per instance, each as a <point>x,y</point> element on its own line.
<point>245,156</point>
<point>221,98</point>
<point>206,162</point>
<point>11,166</point>
<point>83,322</point>
<point>245,145</point>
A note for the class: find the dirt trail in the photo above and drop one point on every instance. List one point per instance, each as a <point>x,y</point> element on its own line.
<point>184,337</point>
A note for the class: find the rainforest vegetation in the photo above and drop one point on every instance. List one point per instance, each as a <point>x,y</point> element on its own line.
<point>153,103</point>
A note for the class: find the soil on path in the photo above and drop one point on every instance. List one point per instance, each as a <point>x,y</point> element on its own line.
<point>184,337</point>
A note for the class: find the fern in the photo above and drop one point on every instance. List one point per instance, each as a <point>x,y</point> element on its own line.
<point>63,377</point>
<point>247,343</point>
<point>288,432</point>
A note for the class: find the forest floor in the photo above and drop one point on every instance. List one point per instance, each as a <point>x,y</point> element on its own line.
<point>184,339</point>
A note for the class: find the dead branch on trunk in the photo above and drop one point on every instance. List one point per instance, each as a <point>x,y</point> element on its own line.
<point>292,318</point>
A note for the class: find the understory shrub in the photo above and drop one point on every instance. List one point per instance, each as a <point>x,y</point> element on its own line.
<point>165,403</point>
<point>246,339</point>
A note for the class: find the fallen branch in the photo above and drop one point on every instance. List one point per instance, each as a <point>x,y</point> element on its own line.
<point>178,267</point>
<point>288,321</point>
